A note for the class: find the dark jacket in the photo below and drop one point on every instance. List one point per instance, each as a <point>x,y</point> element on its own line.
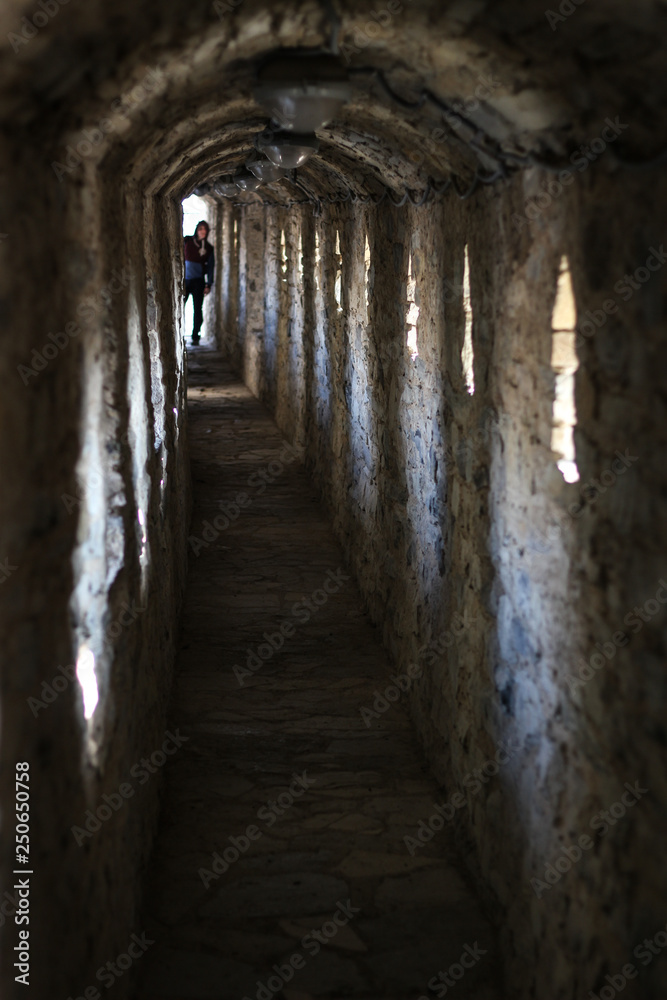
<point>197,264</point>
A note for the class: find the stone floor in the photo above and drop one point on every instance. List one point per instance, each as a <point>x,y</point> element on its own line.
<point>327,859</point>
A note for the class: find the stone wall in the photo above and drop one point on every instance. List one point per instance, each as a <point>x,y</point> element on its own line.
<point>449,505</point>
<point>95,492</point>
<point>480,563</point>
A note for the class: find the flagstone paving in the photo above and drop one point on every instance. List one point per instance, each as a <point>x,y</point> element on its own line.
<point>280,868</point>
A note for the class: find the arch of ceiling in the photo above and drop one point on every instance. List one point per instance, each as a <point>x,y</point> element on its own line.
<point>189,113</point>
<point>184,87</point>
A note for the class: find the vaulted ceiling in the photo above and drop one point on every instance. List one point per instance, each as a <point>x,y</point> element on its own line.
<point>526,81</point>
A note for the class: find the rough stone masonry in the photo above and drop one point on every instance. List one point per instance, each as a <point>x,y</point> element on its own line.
<point>352,323</point>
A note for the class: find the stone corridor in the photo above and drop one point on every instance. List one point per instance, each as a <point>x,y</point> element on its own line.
<point>335,645</point>
<point>328,859</point>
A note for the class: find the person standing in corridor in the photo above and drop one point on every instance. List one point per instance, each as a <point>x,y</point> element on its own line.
<point>199,264</point>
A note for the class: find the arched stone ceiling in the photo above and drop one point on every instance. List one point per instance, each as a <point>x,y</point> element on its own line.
<point>547,90</point>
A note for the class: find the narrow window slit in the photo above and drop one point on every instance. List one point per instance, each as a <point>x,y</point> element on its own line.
<point>564,363</point>
<point>338,284</point>
<point>467,352</point>
<point>412,317</point>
